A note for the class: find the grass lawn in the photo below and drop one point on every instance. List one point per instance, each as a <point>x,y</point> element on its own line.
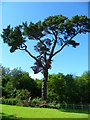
<point>9,111</point>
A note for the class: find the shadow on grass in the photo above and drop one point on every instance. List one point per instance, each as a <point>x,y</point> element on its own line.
<point>13,117</point>
<point>75,111</point>
<point>8,117</point>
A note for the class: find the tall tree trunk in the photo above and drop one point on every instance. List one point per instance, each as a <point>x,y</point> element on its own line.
<point>44,85</point>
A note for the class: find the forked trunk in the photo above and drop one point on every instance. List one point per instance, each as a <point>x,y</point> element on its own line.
<point>44,85</point>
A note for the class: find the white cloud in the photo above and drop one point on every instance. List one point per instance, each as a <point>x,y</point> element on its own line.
<point>34,76</point>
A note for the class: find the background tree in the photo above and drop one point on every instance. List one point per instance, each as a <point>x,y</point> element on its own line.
<point>17,85</point>
<point>56,88</point>
<point>54,29</point>
<point>15,80</point>
<point>82,85</point>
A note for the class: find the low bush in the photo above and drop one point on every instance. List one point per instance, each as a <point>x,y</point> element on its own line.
<point>9,101</point>
<point>58,105</point>
<point>44,104</point>
<point>25,103</point>
<point>35,102</point>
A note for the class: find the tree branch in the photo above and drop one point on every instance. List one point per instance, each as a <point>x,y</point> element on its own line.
<point>25,48</point>
<point>31,55</point>
<point>59,49</point>
<point>64,44</point>
<point>40,41</point>
<point>45,56</point>
<point>44,46</point>
<point>53,47</point>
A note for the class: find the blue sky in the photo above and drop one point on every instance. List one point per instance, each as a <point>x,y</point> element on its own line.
<point>70,60</point>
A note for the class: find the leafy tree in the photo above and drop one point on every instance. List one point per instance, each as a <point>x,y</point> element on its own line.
<point>5,71</point>
<point>54,29</point>
<point>65,88</point>
<point>82,88</point>
<point>39,86</point>
<point>56,87</point>
<point>70,89</point>
<point>28,83</point>
<point>17,79</point>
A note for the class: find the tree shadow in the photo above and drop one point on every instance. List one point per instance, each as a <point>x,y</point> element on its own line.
<point>75,111</point>
<point>8,117</point>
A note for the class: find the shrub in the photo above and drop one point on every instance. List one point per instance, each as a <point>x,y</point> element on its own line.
<point>44,104</point>
<point>22,94</point>
<point>35,102</point>
<point>58,105</point>
<point>23,103</point>
<point>9,101</point>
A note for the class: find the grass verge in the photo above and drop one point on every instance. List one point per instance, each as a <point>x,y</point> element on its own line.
<point>13,112</point>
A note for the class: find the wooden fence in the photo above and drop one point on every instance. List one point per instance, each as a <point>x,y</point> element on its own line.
<point>73,106</point>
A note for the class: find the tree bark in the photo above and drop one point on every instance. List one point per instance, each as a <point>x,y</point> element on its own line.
<point>44,85</point>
